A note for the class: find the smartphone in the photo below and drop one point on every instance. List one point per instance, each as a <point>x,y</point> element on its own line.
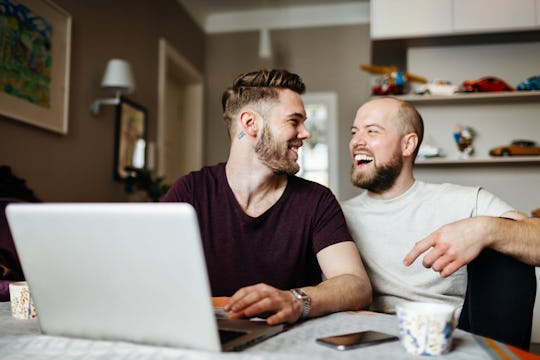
<point>355,340</point>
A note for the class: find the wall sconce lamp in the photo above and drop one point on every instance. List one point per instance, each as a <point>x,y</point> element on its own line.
<point>118,78</point>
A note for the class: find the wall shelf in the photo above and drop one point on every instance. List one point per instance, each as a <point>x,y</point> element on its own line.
<point>512,96</point>
<point>495,160</point>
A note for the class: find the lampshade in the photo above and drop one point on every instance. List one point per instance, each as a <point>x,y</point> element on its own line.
<point>118,76</point>
<point>265,46</point>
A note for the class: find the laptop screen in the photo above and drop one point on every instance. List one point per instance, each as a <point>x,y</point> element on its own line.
<point>122,271</point>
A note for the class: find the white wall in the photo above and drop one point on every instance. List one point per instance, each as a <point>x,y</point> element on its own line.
<point>496,122</point>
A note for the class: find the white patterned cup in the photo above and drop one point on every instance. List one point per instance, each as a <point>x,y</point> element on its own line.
<point>426,328</point>
<point>22,306</point>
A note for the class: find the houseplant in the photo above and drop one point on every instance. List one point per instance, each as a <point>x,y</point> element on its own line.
<point>143,186</point>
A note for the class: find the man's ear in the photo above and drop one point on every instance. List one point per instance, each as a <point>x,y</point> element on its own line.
<point>409,144</point>
<point>248,121</point>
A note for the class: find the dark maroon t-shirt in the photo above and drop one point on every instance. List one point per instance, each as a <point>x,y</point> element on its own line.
<point>278,247</point>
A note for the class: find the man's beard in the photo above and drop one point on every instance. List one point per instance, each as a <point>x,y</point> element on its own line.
<point>275,155</point>
<point>383,178</point>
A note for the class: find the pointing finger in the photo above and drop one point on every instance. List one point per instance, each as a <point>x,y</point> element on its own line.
<point>418,249</point>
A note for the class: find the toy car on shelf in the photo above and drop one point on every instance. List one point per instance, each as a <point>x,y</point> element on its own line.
<point>437,87</point>
<point>532,83</point>
<point>516,148</point>
<point>485,84</point>
<point>387,89</point>
<point>427,151</point>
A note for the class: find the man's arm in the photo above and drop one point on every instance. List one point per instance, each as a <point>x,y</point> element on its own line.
<point>520,239</point>
<point>458,243</point>
<point>346,287</point>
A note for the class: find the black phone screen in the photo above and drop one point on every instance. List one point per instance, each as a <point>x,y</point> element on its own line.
<point>354,340</point>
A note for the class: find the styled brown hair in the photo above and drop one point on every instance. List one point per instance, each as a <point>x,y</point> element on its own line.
<point>256,87</point>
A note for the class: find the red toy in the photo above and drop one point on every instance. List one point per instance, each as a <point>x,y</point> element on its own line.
<point>485,84</point>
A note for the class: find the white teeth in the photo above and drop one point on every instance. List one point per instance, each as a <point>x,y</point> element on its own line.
<point>294,149</point>
<point>363,158</point>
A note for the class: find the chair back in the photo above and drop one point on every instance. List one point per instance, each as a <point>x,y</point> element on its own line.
<point>500,297</point>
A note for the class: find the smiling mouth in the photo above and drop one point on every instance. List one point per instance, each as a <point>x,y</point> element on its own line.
<point>363,159</point>
<point>294,152</point>
<point>295,146</point>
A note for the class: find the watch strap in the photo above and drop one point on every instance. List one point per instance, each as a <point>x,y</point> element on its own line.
<point>301,295</point>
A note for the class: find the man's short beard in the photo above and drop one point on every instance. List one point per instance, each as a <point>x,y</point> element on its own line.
<point>384,178</point>
<point>269,152</point>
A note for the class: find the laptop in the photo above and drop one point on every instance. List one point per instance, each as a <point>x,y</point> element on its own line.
<point>124,271</point>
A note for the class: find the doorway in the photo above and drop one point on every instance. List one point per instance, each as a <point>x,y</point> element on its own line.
<point>180,115</point>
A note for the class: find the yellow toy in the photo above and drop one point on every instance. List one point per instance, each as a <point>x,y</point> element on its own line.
<point>392,81</point>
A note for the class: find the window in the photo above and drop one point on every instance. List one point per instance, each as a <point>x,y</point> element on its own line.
<point>318,156</point>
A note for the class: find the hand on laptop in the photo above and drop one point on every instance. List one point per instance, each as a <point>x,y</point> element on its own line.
<point>265,301</point>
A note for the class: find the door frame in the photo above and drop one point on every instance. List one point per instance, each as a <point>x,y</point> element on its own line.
<point>172,64</point>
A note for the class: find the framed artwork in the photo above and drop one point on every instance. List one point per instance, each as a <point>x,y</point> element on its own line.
<point>35,39</point>
<point>130,144</point>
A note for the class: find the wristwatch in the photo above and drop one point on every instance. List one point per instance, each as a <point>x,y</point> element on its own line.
<point>301,295</point>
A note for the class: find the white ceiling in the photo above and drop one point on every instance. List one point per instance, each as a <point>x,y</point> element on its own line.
<point>216,16</point>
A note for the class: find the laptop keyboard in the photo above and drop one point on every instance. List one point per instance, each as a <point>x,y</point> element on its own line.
<point>228,335</point>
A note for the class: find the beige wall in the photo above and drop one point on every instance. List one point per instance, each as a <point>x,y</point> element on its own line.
<point>79,165</point>
<point>327,59</point>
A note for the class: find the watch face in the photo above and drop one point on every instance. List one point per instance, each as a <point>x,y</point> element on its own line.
<point>300,294</point>
<point>305,296</point>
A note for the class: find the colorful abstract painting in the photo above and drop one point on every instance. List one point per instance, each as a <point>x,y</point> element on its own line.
<point>25,54</point>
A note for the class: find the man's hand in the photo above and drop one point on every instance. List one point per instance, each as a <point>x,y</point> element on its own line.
<point>264,300</point>
<point>452,246</point>
<point>346,287</point>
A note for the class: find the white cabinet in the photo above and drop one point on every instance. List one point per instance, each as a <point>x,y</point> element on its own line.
<point>493,15</point>
<point>411,18</point>
<point>420,18</point>
<point>538,13</point>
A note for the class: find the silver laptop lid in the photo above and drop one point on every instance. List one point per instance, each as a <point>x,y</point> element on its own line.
<point>122,271</point>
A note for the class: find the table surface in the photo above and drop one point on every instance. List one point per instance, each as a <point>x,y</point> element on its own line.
<point>22,339</point>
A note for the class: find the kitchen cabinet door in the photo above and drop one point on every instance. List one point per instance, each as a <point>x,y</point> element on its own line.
<point>411,18</point>
<point>472,16</point>
<point>538,13</point>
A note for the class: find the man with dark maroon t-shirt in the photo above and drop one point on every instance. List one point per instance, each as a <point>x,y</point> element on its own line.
<point>270,237</point>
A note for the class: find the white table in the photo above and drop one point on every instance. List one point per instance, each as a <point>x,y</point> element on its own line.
<point>22,339</point>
